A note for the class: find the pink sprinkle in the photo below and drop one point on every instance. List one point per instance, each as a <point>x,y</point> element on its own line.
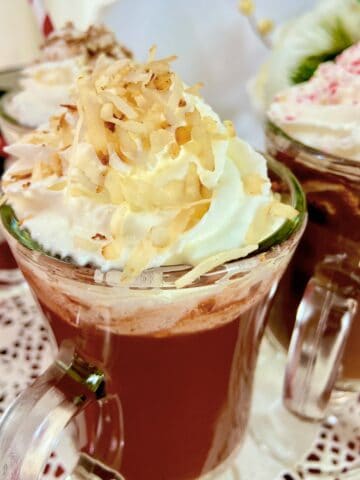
<point>333,86</point>
<point>289,118</point>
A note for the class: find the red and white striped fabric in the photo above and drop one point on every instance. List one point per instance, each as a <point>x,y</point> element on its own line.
<point>42,17</point>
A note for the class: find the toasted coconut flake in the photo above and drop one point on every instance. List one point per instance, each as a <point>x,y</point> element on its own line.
<point>162,81</point>
<point>183,135</point>
<point>160,139</point>
<point>121,105</point>
<point>152,53</point>
<point>127,141</point>
<point>212,262</point>
<point>63,124</point>
<point>110,126</point>
<point>210,125</point>
<point>56,187</point>
<point>112,184</point>
<point>68,106</point>
<point>162,65</point>
<point>98,236</point>
<point>131,126</point>
<point>192,184</point>
<point>195,89</point>
<point>253,184</point>
<point>176,94</point>
<point>56,165</point>
<point>178,225</point>
<point>103,157</point>
<point>139,260</point>
<point>91,108</point>
<point>230,128</point>
<point>21,175</point>
<point>193,118</point>
<point>203,141</point>
<point>41,170</point>
<point>159,239</point>
<point>279,209</point>
<point>118,116</point>
<point>174,150</point>
<point>199,209</point>
<point>107,111</point>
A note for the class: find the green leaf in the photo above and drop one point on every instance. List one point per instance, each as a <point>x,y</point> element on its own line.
<point>341,40</point>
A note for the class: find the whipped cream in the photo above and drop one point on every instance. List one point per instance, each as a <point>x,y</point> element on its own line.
<point>44,87</point>
<point>324,112</point>
<point>48,83</point>
<point>141,173</point>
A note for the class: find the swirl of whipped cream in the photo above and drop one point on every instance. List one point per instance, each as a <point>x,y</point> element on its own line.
<point>324,112</point>
<point>47,84</point>
<point>43,88</point>
<point>141,173</point>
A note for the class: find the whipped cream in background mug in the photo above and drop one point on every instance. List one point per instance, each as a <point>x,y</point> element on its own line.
<point>324,112</point>
<point>48,82</point>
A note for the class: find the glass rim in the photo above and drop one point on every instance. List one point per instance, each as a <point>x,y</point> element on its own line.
<point>335,160</point>
<point>10,120</point>
<point>268,249</point>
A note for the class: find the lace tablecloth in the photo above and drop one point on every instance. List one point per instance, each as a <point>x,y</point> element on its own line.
<point>25,351</point>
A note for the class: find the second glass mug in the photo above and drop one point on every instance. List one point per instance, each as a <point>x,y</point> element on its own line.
<point>316,311</point>
<point>162,376</point>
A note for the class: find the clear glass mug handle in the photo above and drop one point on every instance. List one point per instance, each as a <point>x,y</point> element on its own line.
<point>32,425</point>
<point>322,326</point>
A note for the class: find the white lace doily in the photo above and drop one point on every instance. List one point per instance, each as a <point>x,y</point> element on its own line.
<point>25,351</point>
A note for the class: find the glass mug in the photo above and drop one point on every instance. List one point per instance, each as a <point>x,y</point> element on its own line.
<point>315,312</point>
<point>162,375</point>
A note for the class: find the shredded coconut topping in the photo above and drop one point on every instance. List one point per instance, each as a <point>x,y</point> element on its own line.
<point>152,173</point>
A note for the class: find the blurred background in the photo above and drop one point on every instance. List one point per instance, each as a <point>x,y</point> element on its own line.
<point>214,42</point>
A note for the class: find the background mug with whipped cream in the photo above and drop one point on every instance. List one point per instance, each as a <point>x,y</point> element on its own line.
<point>48,82</point>
<point>313,129</point>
